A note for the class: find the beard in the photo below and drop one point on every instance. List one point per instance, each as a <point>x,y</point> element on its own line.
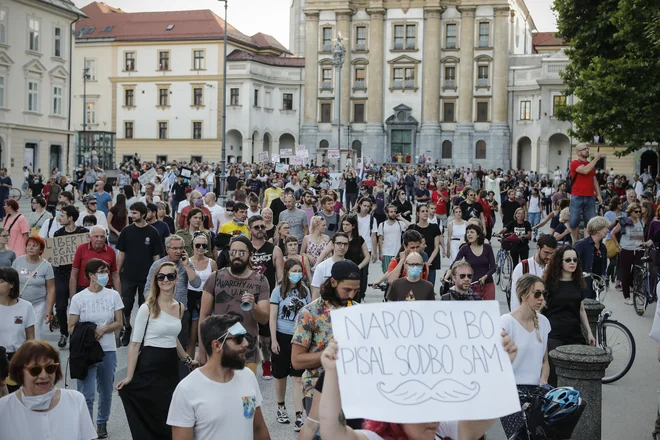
<point>232,359</point>
<point>238,266</point>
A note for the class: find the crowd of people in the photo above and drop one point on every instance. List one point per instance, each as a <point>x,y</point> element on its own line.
<point>228,292</point>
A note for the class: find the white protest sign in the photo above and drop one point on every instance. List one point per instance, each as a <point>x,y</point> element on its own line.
<point>275,158</point>
<point>300,148</point>
<point>281,167</point>
<point>297,160</point>
<point>335,177</point>
<point>263,157</point>
<point>286,152</point>
<point>147,177</point>
<point>423,361</point>
<point>302,153</point>
<point>333,154</point>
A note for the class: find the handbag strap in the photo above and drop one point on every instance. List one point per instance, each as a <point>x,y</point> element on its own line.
<point>30,277</point>
<point>12,223</point>
<point>145,328</point>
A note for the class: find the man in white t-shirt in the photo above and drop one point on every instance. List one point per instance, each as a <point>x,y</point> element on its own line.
<point>389,236</point>
<point>323,270</point>
<point>215,209</point>
<point>545,247</point>
<point>221,399</point>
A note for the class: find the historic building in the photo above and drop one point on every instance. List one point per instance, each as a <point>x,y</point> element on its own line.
<point>420,77</point>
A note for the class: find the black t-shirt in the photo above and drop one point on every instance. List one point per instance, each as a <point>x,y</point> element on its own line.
<point>351,185</point>
<point>354,252</point>
<point>421,192</point>
<point>471,210</point>
<point>429,233</point>
<point>410,181</point>
<point>278,207</point>
<point>554,222</point>
<point>508,209</point>
<point>401,208</point>
<point>254,184</point>
<point>139,245</point>
<point>520,229</point>
<point>231,183</point>
<point>563,312</point>
<point>179,191</point>
<point>353,423</point>
<point>262,263</point>
<point>560,229</point>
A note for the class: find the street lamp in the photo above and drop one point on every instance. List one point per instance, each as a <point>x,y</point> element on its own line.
<point>86,77</point>
<point>338,58</point>
<point>223,159</point>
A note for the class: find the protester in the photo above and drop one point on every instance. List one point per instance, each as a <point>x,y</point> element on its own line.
<point>411,287</point>
<point>96,247</point>
<point>592,251</point>
<point>204,267</point>
<point>585,188</point>
<point>481,258</point>
<point>433,237</point>
<point>390,233</point>
<point>90,204</point>
<point>455,234</point>
<point>117,219</point>
<point>545,248</point>
<point>15,223</point>
<point>39,215</point>
<point>314,243</point>
<point>7,256</point>
<point>461,274</point>
<point>523,231</point>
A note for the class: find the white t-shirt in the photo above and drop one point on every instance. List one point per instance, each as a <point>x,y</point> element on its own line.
<point>182,204</point>
<point>99,308</point>
<point>155,199</point>
<point>323,272</point>
<point>216,211</point>
<point>528,363</point>
<point>161,332</point>
<point>216,410</point>
<point>100,218</point>
<point>548,191</point>
<point>13,322</point>
<point>365,230</point>
<point>534,269</point>
<point>49,228</point>
<point>69,420</point>
<point>391,237</point>
<point>445,429</point>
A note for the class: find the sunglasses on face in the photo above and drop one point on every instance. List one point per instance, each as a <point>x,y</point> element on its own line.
<point>163,276</point>
<point>235,252</point>
<point>570,260</point>
<point>91,203</point>
<point>540,293</point>
<point>238,339</point>
<point>465,275</point>
<point>259,227</point>
<point>637,211</point>
<point>37,369</point>
<point>201,245</point>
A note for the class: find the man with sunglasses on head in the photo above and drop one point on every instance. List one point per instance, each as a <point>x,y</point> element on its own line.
<point>240,291</point>
<point>545,248</point>
<point>461,274</point>
<point>221,399</point>
<point>90,209</point>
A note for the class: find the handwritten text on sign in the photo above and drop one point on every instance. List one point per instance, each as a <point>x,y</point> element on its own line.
<point>61,250</point>
<point>424,361</point>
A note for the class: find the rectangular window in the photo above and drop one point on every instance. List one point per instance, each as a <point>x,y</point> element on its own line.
<point>358,112</point>
<point>91,113</point>
<point>129,61</point>
<point>57,100</point>
<point>557,101</point>
<point>326,112</point>
<point>129,98</point>
<point>450,77</point>
<point>326,78</point>
<point>233,97</point>
<point>197,130</point>
<point>2,92</point>
<point>398,37</point>
<point>397,78</point>
<point>198,97</point>
<point>327,39</point>
<point>361,38</point>
<point>287,101</point>
<point>34,26</point>
<point>482,76</point>
<point>410,78</point>
<point>163,97</point>
<point>525,110</point>
<point>269,100</point>
<point>256,98</point>
<point>484,34</point>
<point>162,130</point>
<point>90,65</point>
<point>539,109</point>
<point>33,96</point>
<point>360,77</point>
<point>450,37</point>
<point>482,112</point>
<point>198,60</point>
<point>163,60</point>
<point>448,109</point>
<point>411,36</point>
<point>128,130</point>
<point>3,25</point>
<point>57,42</point>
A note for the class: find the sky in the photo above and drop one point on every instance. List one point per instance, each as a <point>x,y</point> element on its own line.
<point>272,16</point>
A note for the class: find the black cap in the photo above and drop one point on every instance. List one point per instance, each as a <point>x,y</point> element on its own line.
<point>647,194</point>
<point>345,270</point>
<point>88,197</point>
<point>243,239</point>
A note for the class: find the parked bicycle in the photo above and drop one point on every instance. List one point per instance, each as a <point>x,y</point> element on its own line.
<point>612,336</point>
<point>15,193</point>
<point>504,268</point>
<point>643,287</point>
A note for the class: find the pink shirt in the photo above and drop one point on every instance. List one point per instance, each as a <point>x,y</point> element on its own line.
<point>16,237</point>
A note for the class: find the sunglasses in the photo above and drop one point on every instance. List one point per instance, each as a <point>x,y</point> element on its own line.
<point>341,243</point>
<point>37,369</point>
<point>238,339</point>
<point>259,227</point>
<point>571,260</point>
<point>201,245</point>
<point>91,203</point>
<point>169,276</point>
<point>465,275</point>
<point>637,211</point>
<point>540,293</point>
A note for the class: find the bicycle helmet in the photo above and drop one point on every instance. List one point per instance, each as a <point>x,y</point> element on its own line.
<point>560,403</point>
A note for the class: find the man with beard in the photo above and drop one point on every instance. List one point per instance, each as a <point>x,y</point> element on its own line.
<point>221,399</point>
<point>390,233</point>
<point>240,291</point>
<point>545,247</point>
<point>472,209</point>
<point>267,260</point>
<point>461,273</point>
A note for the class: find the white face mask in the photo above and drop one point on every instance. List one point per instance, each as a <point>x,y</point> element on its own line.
<point>38,403</point>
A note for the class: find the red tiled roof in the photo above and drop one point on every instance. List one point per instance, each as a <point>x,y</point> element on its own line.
<point>271,60</point>
<point>547,39</point>
<point>149,26</point>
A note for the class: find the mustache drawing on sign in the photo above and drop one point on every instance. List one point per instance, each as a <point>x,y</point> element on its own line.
<point>414,392</point>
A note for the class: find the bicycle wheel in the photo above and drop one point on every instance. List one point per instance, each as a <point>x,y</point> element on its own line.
<point>15,194</point>
<point>617,340</point>
<point>503,280</point>
<point>507,272</point>
<point>639,291</point>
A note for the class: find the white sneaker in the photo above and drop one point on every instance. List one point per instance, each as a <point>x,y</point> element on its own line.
<point>628,302</point>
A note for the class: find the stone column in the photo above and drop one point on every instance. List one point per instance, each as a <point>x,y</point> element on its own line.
<point>466,73</point>
<point>374,141</point>
<point>311,67</point>
<point>583,367</point>
<point>247,152</point>
<point>430,131</point>
<point>344,26</point>
<point>543,157</point>
<point>501,61</point>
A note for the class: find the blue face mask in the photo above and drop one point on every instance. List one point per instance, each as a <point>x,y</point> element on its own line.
<point>414,272</point>
<point>103,279</point>
<point>295,277</point>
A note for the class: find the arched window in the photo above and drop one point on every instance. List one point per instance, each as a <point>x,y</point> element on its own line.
<point>481,150</point>
<point>357,147</point>
<point>446,149</point>
<point>324,144</point>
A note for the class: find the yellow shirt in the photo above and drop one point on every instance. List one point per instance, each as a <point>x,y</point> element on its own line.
<point>232,228</point>
<point>271,194</point>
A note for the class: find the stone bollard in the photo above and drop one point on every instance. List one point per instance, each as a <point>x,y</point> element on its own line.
<point>582,367</point>
<point>593,309</point>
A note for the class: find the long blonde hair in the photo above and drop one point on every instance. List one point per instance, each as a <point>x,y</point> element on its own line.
<point>524,287</point>
<point>315,222</point>
<point>152,300</point>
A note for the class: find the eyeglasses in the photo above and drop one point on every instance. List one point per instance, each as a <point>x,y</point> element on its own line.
<point>413,265</point>
<point>341,243</point>
<point>91,203</point>
<point>201,245</point>
<point>259,227</point>
<point>235,252</point>
<point>637,211</point>
<point>465,275</point>
<point>571,260</point>
<point>170,277</point>
<point>540,293</point>
<point>37,369</point>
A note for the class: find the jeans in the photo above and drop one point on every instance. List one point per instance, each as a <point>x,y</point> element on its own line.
<point>351,198</point>
<point>128,288</point>
<point>101,374</point>
<point>62,301</point>
<point>534,219</point>
<point>582,207</point>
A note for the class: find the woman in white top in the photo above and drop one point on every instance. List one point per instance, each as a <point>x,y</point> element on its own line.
<point>456,232</point>
<point>529,331</point>
<point>204,267</point>
<point>153,368</point>
<point>103,307</point>
<point>534,210</point>
<point>39,410</point>
<point>17,318</point>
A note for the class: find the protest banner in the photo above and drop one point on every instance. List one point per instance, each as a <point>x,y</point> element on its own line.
<point>263,157</point>
<point>147,177</point>
<point>286,153</point>
<point>300,148</point>
<point>281,167</point>
<point>423,361</point>
<point>275,158</point>
<point>334,180</point>
<point>60,250</point>
<point>333,154</point>
<point>302,153</point>
<point>297,160</point>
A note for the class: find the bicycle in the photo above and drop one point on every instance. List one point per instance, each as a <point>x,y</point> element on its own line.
<point>504,269</point>
<point>15,193</point>
<point>642,287</point>
<point>613,337</point>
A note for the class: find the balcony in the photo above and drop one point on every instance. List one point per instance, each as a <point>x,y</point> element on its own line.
<point>482,82</point>
<point>326,85</point>
<point>397,84</point>
<point>450,84</point>
<point>359,84</point>
<point>410,84</point>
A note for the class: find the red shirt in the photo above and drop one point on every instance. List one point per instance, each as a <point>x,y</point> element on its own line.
<point>583,184</point>
<point>404,272</point>
<point>86,252</point>
<point>369,183</point>
<point>182,221</point>
<point>440,203</point>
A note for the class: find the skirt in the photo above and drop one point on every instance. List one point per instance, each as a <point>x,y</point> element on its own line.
<point>147,397</point>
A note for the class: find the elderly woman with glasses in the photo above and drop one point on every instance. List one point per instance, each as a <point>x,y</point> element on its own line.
<point>17,226</point>
<point>39,409</point>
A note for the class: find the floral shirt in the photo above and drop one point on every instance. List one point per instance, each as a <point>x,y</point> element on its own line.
<point>313,332</point>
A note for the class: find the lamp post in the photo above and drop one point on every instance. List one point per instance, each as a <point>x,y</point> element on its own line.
<point>223,159</point>
<point>338,58</point>
<point>82,140</point>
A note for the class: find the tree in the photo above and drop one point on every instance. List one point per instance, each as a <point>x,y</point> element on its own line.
<point>613,69</point>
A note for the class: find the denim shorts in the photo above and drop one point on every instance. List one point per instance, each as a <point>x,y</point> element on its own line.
<point>582,207</point>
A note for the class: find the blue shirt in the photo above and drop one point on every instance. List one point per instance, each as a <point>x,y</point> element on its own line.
<point>102,201</point>
<point>288,308</point>
<point>4,191</point>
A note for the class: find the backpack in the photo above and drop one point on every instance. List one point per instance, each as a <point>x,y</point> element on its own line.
<point>569,181</point>
<point>525,266</point>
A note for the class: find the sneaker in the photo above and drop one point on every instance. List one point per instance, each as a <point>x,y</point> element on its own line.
<point>282,416</point>
<point>102,430</point>
<point>628,302</point>
<point>265,366</point>
<point>126,336</point>
<point>618,285</point>
<point>63,341</point>
<point>298,424</point>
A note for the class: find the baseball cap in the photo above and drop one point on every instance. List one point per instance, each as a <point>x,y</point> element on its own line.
<point>647,194</point>
<point>89,197</point>
<point>345,270</point>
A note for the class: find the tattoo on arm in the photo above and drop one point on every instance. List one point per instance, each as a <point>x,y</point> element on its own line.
<point>342,418</point>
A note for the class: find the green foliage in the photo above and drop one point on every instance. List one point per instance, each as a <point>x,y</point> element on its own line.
<point>613,70</point>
